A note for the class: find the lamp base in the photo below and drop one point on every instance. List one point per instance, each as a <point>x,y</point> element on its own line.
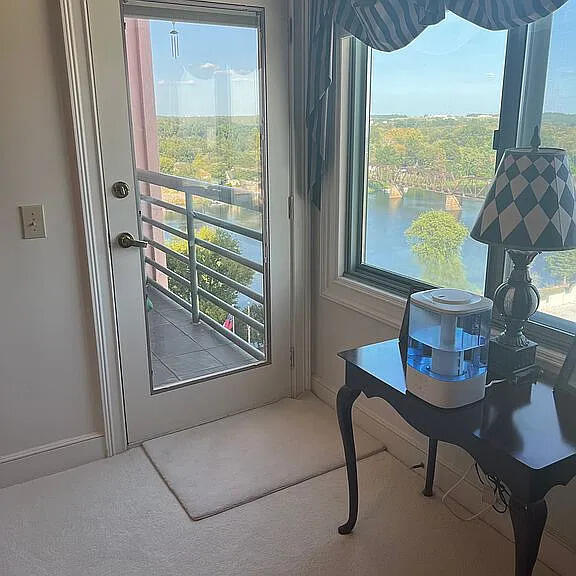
<point>511,355</point>
<point>512,362</point>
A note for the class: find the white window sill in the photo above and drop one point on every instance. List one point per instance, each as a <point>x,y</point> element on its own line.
<point>368,300</point>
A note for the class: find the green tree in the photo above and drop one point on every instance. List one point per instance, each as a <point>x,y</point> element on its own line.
<point>215,149</point>
<point>214,261</point>
<point>562,265</point>
<point>436,238</point>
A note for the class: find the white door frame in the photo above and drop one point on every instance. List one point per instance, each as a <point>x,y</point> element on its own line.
<point>87,152</point>
<point>300,231</point>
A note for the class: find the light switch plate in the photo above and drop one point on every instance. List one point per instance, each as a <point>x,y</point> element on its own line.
<point>33,225</point>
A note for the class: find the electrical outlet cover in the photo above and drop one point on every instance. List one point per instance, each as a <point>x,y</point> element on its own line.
<point>33,225</point>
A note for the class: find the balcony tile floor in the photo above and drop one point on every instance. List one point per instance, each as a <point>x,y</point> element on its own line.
<point>182,350</point>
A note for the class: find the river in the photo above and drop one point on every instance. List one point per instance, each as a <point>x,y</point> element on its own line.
<point>387,246</point>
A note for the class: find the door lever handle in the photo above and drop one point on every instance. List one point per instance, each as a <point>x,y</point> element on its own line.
<point>126,240</point>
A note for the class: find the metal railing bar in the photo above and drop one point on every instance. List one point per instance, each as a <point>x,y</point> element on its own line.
<point>163,204</point>
<point>168,251</point>
<point>207,320</point>
<point>165,227</point>
<point>180,279</point>
<point>238,229</point>
<point>218,192</point>
<point>204,243</point>
<point>192,274</point>
<point>242,230</point>
<point>231,255</point>
<point>230,309</point>
<point>229,282</point>
<point>233,337</point>
<point>206,270</point>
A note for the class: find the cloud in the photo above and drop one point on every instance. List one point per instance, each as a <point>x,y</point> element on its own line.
<point>175,82</point>
<point>203,71</point>
<point>208,70</point>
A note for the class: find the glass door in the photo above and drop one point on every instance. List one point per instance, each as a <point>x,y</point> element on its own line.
<point>200,278</point>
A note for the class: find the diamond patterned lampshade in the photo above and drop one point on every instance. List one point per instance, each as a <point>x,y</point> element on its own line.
<point>531,204</point>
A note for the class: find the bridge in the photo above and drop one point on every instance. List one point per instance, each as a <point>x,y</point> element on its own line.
<point>454,188</point>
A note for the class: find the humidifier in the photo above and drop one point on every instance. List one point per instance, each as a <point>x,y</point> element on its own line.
<point>448,340</point>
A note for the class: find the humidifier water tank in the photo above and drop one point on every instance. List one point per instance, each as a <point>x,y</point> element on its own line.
<point>448,339</point>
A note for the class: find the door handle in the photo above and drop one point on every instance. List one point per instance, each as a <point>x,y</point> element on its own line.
<point>126,240</point>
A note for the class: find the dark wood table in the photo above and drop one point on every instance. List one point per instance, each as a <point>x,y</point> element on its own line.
<point>524,434</point>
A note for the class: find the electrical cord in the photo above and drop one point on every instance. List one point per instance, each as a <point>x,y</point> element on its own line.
<point>501,492</point>
<point>492,382</point>
<point>450,490</point>
<point>501,495</point>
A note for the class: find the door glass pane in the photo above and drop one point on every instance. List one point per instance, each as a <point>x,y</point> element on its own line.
<point>195,91</point>
<point>434,106</point>
<point>555,273</point>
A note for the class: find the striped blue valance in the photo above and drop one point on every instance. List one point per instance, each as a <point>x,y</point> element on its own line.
<point>387,25</point>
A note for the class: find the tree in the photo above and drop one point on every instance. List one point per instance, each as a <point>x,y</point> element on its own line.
<point>436,239</point>
<point>214,261</point>
<point>213,149</point>
<point>562,265</point>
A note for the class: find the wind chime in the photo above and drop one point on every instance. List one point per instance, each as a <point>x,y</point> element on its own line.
<point>174,41</point>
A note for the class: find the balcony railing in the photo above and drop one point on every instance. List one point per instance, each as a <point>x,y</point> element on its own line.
<point>217,193</point>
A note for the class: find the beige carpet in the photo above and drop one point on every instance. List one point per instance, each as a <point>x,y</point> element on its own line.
<point>117,518</point>
<point>223,464</point>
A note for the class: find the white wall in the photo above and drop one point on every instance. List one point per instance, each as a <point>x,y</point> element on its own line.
<point>48,388</point>
<point>336,328</point>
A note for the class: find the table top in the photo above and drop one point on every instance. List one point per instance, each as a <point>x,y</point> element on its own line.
<point>531,422</point>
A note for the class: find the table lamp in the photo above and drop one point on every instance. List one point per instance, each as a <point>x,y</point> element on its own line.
<point>530,208</point>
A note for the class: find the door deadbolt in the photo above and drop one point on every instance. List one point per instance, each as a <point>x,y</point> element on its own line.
<point>120,189</point>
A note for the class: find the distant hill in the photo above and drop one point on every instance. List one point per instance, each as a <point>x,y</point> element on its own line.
<point>387,116</point>
<point>559,119</point>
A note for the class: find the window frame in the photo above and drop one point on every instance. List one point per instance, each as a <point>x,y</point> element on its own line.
<point>525,68</point>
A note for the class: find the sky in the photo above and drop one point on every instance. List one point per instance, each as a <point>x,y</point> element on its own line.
<point>561,82</point>
<point>216,71</point>
<point>453,68</point>
<point>457,67</point>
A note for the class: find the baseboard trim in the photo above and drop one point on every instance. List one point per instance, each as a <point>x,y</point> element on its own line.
<point>51,458</point>
<point>554,551</point>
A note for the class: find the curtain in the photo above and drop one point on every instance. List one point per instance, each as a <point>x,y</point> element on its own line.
<point>387,25</point>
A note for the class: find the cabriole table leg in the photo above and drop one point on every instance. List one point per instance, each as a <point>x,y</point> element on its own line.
<point>344,402</point>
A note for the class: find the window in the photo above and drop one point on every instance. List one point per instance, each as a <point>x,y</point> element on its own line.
<point>434,107</point>
<point>428,125</point>
<point>555,273</point>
